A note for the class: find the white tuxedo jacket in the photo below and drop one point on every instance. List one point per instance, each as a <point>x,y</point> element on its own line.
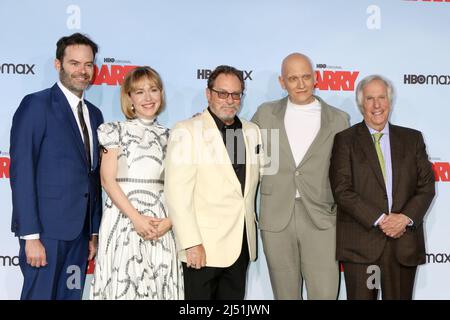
<point>203,194</point>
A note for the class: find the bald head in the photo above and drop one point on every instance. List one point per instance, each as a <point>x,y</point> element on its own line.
<point>298,78</point>
<point>294,58</point>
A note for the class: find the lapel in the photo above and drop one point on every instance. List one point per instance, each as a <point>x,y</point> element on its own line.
<point>250,141</point>
<point>322,135</point>
<point>217,151</point>
<point>285,147</point>
<point>93,122</point>
<point>397,154</point>
<point>365,141</point>
<point>62,108</point>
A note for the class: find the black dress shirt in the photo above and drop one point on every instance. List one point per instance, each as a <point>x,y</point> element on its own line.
<point>233,139</point>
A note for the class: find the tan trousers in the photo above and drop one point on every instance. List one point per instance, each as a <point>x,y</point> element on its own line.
<point>302,252</point>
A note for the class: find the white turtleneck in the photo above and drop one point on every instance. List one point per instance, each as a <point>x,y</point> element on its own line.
<point>302,123</point>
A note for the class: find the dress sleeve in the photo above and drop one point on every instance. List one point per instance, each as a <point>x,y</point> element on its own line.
<point>108,135</point>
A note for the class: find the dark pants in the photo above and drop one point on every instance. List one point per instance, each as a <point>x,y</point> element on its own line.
<point>212,283</point>
<point>397,281</point>
<point>64,276</point>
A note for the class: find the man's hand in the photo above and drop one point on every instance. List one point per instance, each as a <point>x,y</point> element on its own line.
<point>196,257</point>
<point>93,245</point>
<point>394,225</point>
<point>35,252</point>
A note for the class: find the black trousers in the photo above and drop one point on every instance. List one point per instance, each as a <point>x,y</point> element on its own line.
<point>213,283</point>
<point>396,280</point>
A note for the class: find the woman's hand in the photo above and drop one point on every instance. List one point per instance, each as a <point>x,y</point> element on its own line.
<point>146,227</point>
<point>164,226</point>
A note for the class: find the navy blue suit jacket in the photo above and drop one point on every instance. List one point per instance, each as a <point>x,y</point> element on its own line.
<point>52,185</point>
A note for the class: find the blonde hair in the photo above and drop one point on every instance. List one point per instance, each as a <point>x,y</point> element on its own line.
<point>134,77</point>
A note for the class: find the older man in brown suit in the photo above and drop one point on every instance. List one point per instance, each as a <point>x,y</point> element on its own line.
<point>383,184</point>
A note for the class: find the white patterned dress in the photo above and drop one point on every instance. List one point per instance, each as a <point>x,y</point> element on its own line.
<point>127,266</point>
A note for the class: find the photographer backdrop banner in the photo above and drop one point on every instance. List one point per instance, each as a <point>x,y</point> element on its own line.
<point>404,40</point>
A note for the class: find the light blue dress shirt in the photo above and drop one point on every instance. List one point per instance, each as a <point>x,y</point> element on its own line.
<point>385,145</point>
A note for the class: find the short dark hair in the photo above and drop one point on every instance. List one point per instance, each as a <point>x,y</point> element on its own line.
<point>76,38</point>
<point>224,69</point>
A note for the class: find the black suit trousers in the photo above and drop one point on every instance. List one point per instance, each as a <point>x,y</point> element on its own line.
<point>213,283</point>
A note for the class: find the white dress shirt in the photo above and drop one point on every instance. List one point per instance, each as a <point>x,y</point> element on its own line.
<point>73,102</point>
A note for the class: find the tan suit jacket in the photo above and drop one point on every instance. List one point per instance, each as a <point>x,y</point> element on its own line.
<point>309,177</point>
<point>204,196</point>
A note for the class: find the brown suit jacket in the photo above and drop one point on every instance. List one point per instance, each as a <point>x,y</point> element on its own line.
<point>360,193</point>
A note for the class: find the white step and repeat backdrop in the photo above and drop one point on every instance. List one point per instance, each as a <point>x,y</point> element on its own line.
<point>405,40</point>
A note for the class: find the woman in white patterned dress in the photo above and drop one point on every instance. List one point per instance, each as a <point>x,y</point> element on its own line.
<point>136,258</point>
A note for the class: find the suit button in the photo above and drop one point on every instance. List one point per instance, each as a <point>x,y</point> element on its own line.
<point>297,173</point>
<point>86,195</point>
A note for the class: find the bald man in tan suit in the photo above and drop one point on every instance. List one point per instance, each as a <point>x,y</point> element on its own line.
<point>298,212</point>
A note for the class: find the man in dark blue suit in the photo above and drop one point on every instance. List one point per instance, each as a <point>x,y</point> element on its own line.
<point>55,181</point>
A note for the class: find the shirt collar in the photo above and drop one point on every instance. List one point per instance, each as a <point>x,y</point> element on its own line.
<point>385,130</point>
<point>237,124</point>
<point>314,105</point>
<point>71,97</point>
<point>143,122</point>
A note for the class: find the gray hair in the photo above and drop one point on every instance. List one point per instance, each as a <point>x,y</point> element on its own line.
<point>364,82</point>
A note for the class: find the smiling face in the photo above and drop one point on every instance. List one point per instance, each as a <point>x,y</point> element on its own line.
<point>76,68</point>
<point>146,99</point>
<point>376,105</point>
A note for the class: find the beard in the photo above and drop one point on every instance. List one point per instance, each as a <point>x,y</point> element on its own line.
<point>69,81</point>
<point>227,116</point>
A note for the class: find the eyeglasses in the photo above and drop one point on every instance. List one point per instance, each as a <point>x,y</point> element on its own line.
<point>225,95</point>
